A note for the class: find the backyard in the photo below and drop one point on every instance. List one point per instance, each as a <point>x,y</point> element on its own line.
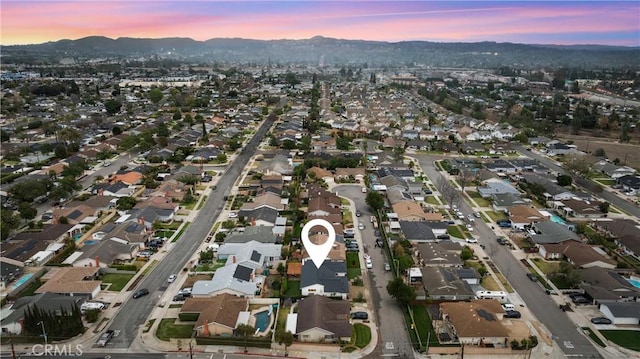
<point>293,289</point>
<point>117,281</point>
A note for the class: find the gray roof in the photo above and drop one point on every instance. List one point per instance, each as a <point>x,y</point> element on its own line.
<point>44,301</point>
<point>235,277</point>
<point>262,234</point>
<point>624,310</point>
<point>263,213</point>
<point>106,250</point>
<point>440,254</point>
<point>552,232</point>
<point>551,188</point>
<point>445,282</point>
<point>507,199</point>
<point>332,275</point>
<point>493,187</point>
<point>417,231</point>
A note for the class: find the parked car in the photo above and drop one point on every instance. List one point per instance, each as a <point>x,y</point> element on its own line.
<point>105,337</point>
<point>443,236</point>
<point>233,215</point>
<point>471,240</point>
<point>469,228</point>
<point>600,320</point>
<point>512,314</point>
<point>172,278</point>
<point>361,226</point>
<point>580,300</point>
<point>387,267</point>
<point>140,293</point>
<point>476,214</point>
<point>358,213</point>
<point>376,233</point>
<point>179,298</point>
<point>369,264</point>
<point>532,277</point>
<point>501,240</point>
<point>360,315</point>
<point>364,189</point>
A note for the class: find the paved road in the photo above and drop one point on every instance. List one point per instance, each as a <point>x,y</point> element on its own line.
<point>607,196</point>
<point>389,316</point>
<point>185,355</point>
<point>134,312</point>
<point>565,333</point>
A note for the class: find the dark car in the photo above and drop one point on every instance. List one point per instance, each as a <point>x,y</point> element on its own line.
<point>358,213</point>
<point>376,233</point>
<point>501,240</point>
<point>600,320</point>
<point>360,315</point>
<point>513,314</point>
<point>140,292</point>
<point>580,300</point>
<point>532,277</point>
<point>179,298</point>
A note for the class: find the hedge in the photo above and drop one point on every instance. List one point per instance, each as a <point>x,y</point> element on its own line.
<point>188,317</point>
<point>235,341</point>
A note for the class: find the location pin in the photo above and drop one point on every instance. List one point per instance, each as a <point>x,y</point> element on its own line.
<point>318,252</point>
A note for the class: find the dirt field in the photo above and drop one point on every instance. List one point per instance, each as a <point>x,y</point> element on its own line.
<point>613,150</point>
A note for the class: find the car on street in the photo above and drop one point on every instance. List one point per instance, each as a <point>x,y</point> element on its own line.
<point>532,277</point>
<point>360,315</point>
<point>476,214</point>
<point>376,233</point>
<point>471,240</point>
<point>179,298</point>
<point>364,189</point>
<point>469,228</point>
<point>369,264</point>
<point>501,240</point>
<point>105,338</point>
<point>140,293</point>
<point>600,320</point>
<point>361,226</point>
<point>387,267</point>
<point>580,300</point>
<point>172,278</point>
<point>358,213</point>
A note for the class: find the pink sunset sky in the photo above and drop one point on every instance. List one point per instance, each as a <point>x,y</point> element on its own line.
<point>537,22</point>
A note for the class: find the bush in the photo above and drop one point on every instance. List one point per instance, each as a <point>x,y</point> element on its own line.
<point>125,267</point>
<point>188,317</point>
<point>92,315</point>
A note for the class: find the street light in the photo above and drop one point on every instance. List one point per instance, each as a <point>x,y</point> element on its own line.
<point>44,332</point>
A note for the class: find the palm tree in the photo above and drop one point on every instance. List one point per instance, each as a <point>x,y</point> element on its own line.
<point>245,331</point>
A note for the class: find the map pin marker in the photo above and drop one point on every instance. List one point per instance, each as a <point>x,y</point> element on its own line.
<point>318,252</point>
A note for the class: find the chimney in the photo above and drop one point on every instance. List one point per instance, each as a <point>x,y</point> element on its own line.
<point>97,262</point>
<point>234,259</point>
<point>101,192</point>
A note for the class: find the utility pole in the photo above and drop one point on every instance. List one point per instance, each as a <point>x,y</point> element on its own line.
<point>44,332</point>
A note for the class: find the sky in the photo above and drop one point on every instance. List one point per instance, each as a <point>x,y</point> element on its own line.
<point>529,22</point>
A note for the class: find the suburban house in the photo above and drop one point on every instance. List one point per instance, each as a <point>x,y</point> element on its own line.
<point>579,254</point>
<point>629,182</point>
<point>71,281</point>
<point>551,232</point>
<point>262,234</point>
<point>605,285</point>
<point>553,192</point>
<point>357,174</point>
<point>103,253</point>
<point>612,170</point>
<point>49,302</point>
<point>252,254</point>
<point>502,201</point>
<point>423,231</point>
<point>500,166</point>
<point>625,231</point>
<point>443,283</point>
<point>329,280</point>
<point>580,209</point>
<point>322,320</point>
<point>409,211</point>
<point>445,253</point>
<point>237,279</point>
<point>218,315</point>
<point>477,322</point>
<point>522,216</point>
<point>267,199</point>
<point>496,186</point>
<point>622,313</point>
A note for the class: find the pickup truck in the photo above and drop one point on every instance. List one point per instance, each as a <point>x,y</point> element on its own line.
<point>105,337</point>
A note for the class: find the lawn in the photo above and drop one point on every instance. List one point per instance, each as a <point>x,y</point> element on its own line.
<point>424,325</point>
<point>353,265</point>
<point>184,228</point>
<point>489,283</point>
<point>167,329</point>
<point>593,336</point>
<point>432,200</point>
<point>605,181</point>
<point>496,215</point>
<point>478,199</point>
<point>293,289</point>
<point>361,335</point>
<point>545,266</point>
<point>629,339</point>
<point>454,231</point>
<point>31,288</point>
<point>164,233</point>
<point>118,281</point>
<point>504,282</point>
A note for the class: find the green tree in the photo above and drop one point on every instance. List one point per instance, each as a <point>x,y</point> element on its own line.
<point>245,331</point>
<point>604,207</point>
<point>222,158</point>
<point>27,211</point>
<point>374,200</point>
<point>466,253</point>
<point>8,222</point>
<point>398,153</point>
<point>112,106</point>
<point>125,203</point>
<point>564,180</point>
<point>403,293</point>
<point>285,338</point>
<point>155,95</point>
<point>177,115</point>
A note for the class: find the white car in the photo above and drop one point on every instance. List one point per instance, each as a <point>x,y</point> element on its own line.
<point>469,228</point>
<point>364,189</point>
<point>471,240</point>
<point>368,264</point>
<point>172,278</point>
<point>233,215</point>
<point>361,226</point>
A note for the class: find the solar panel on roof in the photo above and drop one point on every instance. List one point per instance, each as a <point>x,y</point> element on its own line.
<point>484,314</point>
<point>255,256</point>
<point>133,227</point>
<point>75,214</point>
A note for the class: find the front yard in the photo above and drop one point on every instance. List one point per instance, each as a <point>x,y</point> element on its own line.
<point>629,339</point>
<point>167,329</point>
<point>117,281</point>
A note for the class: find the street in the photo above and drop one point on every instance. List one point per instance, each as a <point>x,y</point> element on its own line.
<point>394,339</point>
<point>134,312</point>
<point>564,331</point>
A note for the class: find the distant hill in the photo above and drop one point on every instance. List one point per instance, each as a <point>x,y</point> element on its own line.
<point>334,52</point>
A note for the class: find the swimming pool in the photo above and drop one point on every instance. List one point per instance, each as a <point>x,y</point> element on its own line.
<point>635,281</point>
<point>262,320</point>
<point>89,242</point>
<point>557,219</point>
<point>21,281</point>
<point>77,236</point>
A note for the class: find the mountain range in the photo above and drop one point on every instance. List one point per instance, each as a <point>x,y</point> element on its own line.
<point>333,51</point>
